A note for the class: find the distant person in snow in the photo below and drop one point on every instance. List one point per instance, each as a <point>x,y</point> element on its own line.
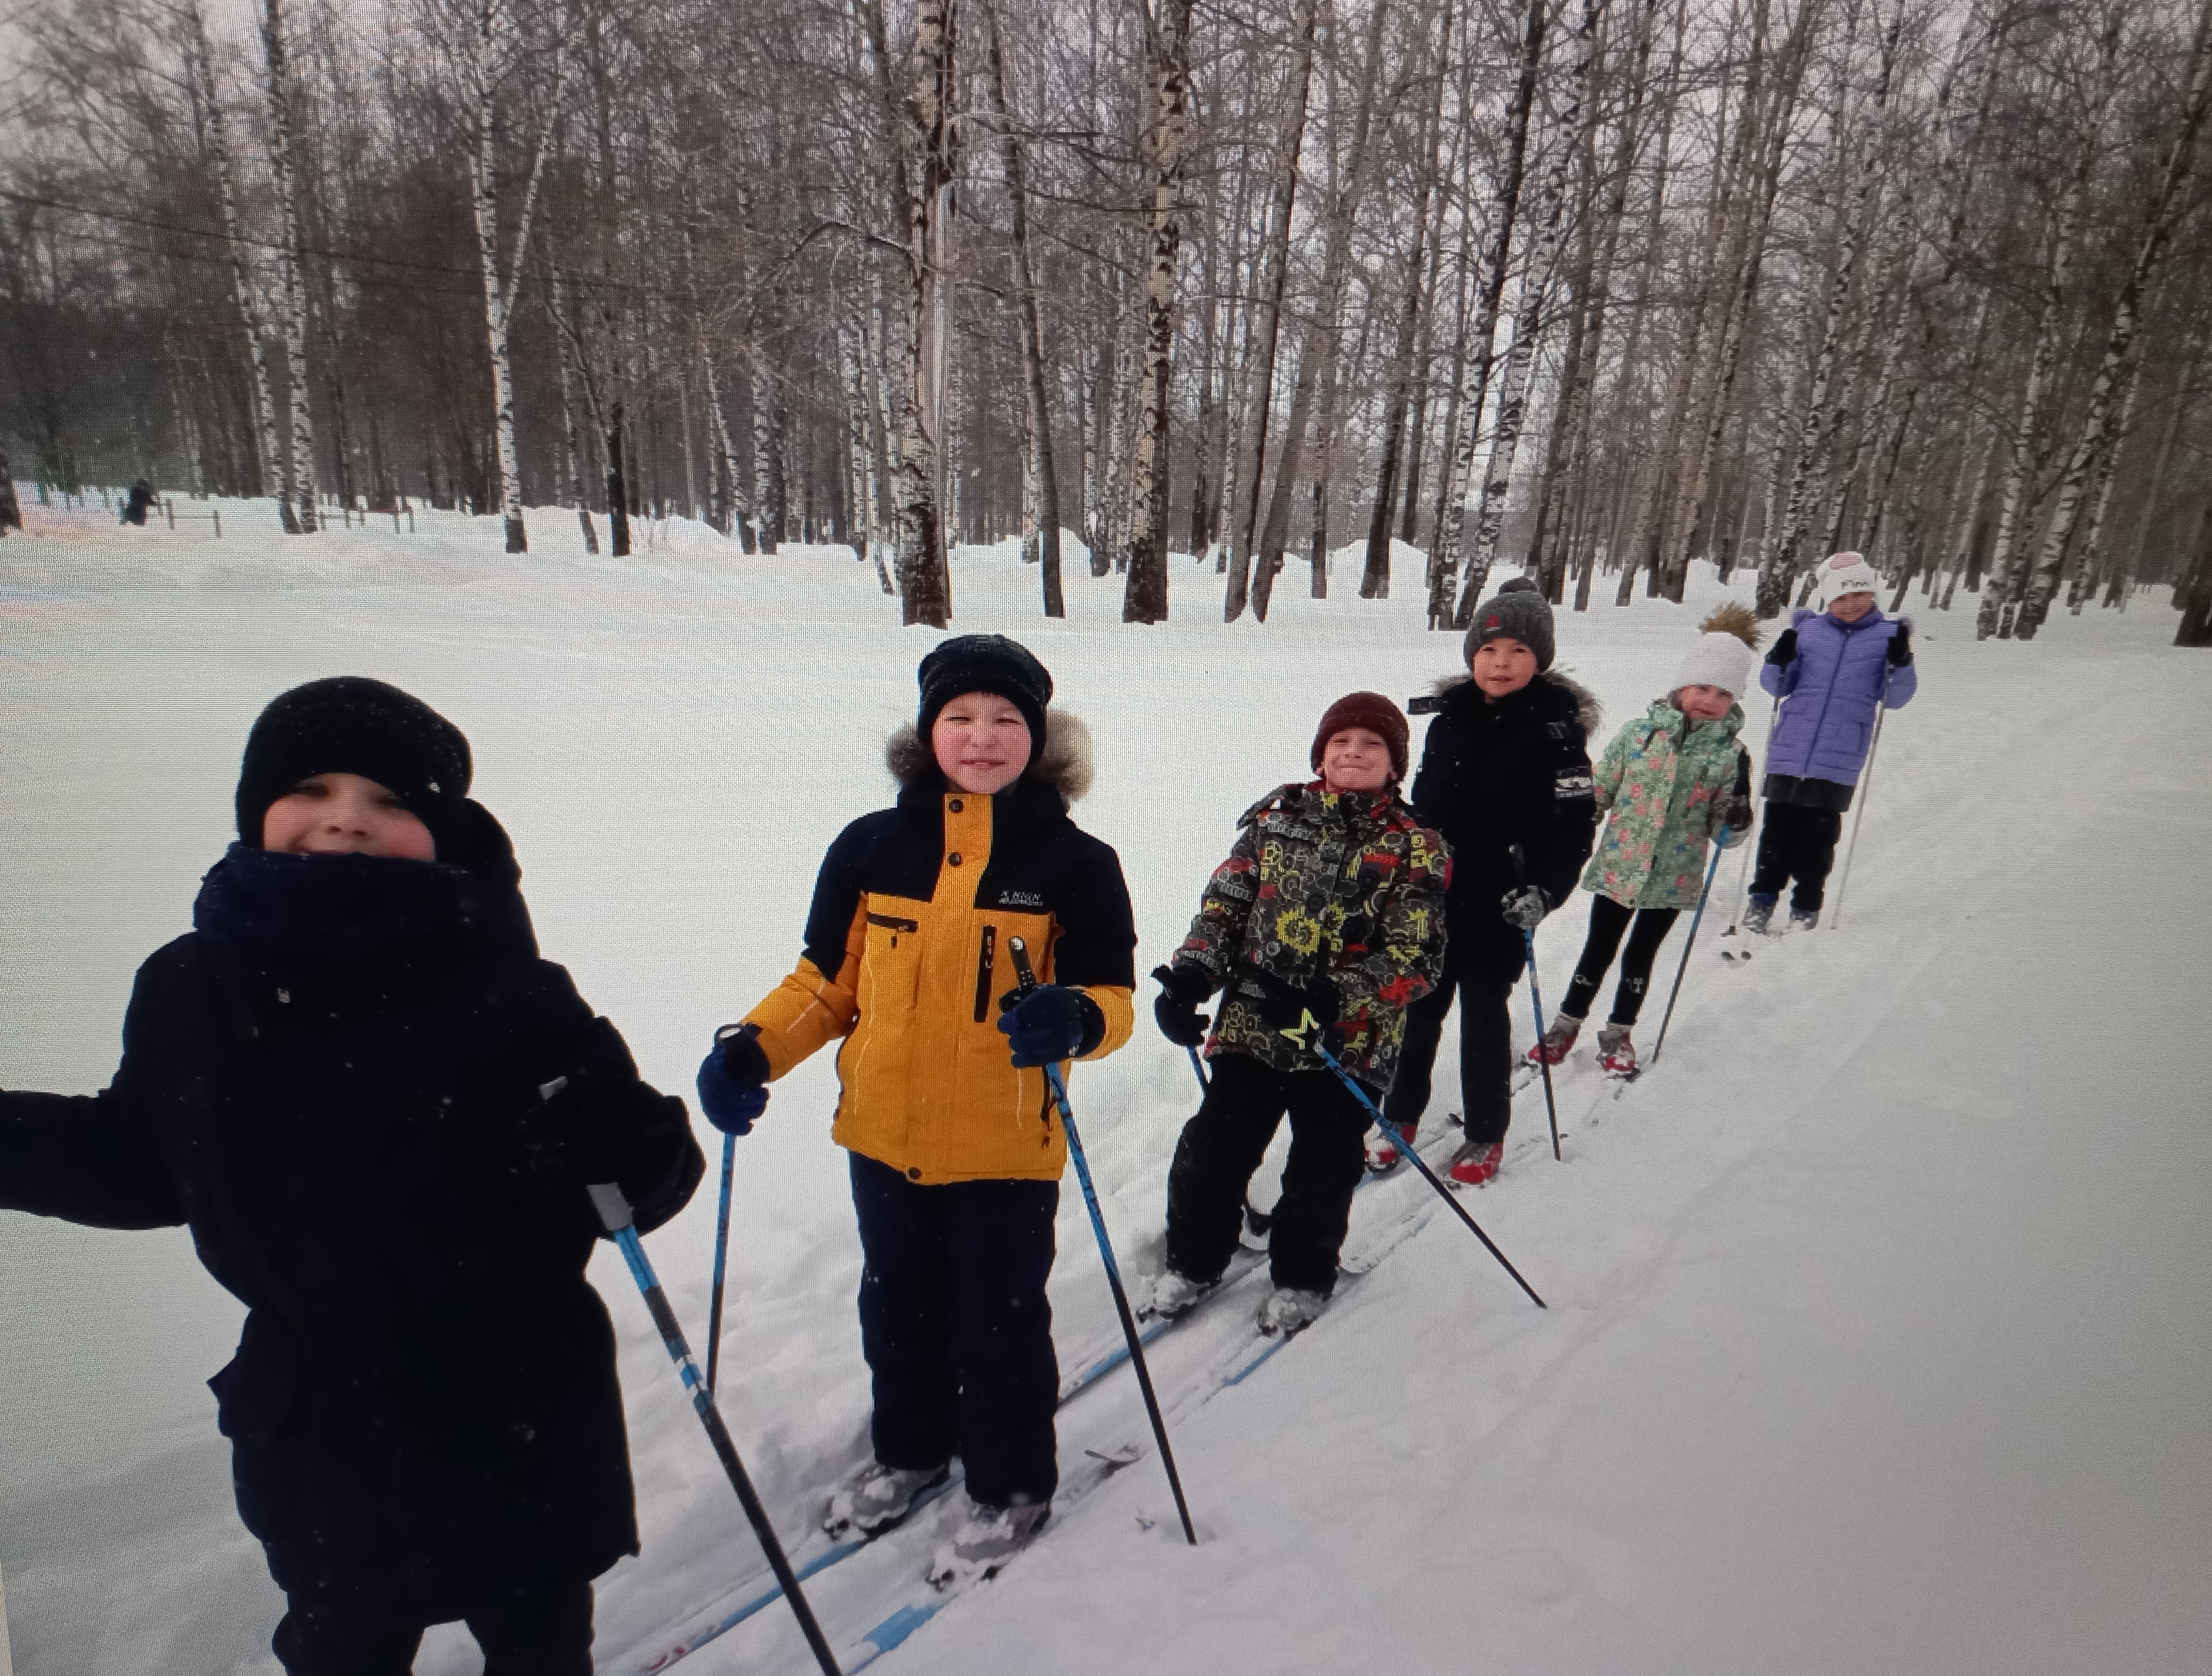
<point>1327,916</point>
<point>1675,778</point>
<point>335,1081</point>
<point>955,1152</point>
<point>142,497</point>
<point>1506,776</point>
<point>1833,669</point>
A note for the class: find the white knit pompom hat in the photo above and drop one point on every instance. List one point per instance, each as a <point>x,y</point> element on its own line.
<point>1846,572</point>
<point>1715,661</point>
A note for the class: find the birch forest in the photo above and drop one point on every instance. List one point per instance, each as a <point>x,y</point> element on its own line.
<point>1331,295</point>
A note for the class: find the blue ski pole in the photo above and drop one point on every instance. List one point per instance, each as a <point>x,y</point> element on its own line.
<point>615,1216</point>
<point>722,1262</point>
<point>1685,966</point>
<point>1308,1035</point>
<point>1025,979</point>
<point>1198,1064</point>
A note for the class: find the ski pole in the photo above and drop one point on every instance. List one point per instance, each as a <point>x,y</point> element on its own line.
<point>1026,979</point>
<point>722,1262</point>
<point>1687,945</point>
<point>1866,791</point>
<point>615,1216</point>
<point>1198,1064</point>
<point>1743,874</point>
<point>1310,1028</point>
<point>1543,1059</point>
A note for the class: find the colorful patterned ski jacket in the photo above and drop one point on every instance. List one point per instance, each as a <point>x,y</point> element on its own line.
<point>908,960</point>
<point>1665,784</point>
<point>1345,886</point>
<point>1829,692</point>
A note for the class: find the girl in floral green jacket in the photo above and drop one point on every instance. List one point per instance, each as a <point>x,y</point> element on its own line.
<point>1673,779</point>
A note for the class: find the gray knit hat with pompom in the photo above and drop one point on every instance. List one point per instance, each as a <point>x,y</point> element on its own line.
<point>1518,610</point>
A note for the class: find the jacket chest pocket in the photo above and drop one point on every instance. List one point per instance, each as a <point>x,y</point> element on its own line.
<point>891,966</point>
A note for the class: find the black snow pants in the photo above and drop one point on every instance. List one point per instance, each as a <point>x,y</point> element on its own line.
<point>535,1631</point>
<point>1222,1146</point>
<point>1486,1054</point>
<point>1799,843</point>
<point>956,1329</point>
<point>1608,919</point>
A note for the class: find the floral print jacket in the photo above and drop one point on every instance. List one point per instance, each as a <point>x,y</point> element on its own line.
<point>1664,779</point>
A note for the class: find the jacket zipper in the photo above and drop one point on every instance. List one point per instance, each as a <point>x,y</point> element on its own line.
<point>983,975</point>
<point>894,924</point>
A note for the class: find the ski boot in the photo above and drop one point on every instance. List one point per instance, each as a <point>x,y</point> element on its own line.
<point>1757,912</point>
<point>987,1539</point>
<point>1290,1310</point>
<point>1476,1162</point>
<point>1558,1039</point>
<point>1804,918</point>
<point>1173,1294</point>
<point>1616,1054</point>
<point>1384,1142</point>
<point>877,1497</point>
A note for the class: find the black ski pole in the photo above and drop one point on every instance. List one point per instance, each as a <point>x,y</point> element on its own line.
<point>721,1263</point>
<point>1743,880</point>
<point>1310,1028</point>
<point>1689,945</point>
<point>615,1216</point>
<point>1543,1059</point>
<point>1026,979</point>
<point>1198,1064</point>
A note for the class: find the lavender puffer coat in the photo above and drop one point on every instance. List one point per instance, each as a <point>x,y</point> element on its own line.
<point>1831,690</point>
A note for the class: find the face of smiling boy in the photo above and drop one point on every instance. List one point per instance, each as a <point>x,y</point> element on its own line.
<point>981,743</point>
<point>344,814</point>
<point>1355,759</point>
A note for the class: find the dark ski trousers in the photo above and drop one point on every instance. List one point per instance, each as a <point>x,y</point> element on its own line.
<point>1222,1146</point>
<point>544,1630</point>
<point>1608,919</point>
<point>1486,1054</point>
<point>956,1329</point>
<point>1796,843</point>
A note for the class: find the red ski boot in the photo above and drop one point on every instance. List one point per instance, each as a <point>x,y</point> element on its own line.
<point>1476,1162</point>
<point>1384,1145</point>
<point>1558,1039</point>
<point>1616,1054</point>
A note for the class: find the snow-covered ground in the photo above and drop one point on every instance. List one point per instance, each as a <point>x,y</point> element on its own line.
<point>1881,1311</point>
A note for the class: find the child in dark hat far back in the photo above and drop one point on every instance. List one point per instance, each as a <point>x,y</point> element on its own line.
<point>335,1081</point>
<point>1506,776</point>
<point>1328,915</point>
<point>955,1154</point>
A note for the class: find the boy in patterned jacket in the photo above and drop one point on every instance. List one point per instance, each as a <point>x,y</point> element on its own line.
<point>1328,913</point>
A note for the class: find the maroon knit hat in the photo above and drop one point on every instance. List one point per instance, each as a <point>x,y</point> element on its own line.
<point>1368,710</point>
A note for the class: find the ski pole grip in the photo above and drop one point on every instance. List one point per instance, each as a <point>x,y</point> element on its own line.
<point>608,1200</point>
<point>1024,974</point>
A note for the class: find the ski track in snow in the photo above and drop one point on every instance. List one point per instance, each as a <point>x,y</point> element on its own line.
<point>1879,1327</point>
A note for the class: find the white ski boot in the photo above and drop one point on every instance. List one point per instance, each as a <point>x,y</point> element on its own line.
<point>877,1497</point>
<point>1385,1146</point>
<point>1804,918</point>
<point>1174,1293</point>
<point>987,1539</point>
<point>1757,912</point>
<point>1290,1310</point>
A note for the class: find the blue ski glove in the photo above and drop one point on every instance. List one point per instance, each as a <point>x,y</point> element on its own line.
<point>1051,1023</point>
<point>733,1079</point>
<point>1525,906</point>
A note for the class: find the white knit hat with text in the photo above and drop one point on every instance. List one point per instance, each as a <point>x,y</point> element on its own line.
<point>1846,572</point>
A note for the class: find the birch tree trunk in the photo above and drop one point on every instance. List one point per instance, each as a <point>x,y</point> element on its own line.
<point>1168,53</point>
<point>2117,364</point>
<point>925,580</point>
<point>300,481</point>
<point>1267,314</point>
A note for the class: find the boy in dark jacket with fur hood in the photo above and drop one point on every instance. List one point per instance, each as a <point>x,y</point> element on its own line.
<point>334,1080</point>
<point>1506,776</point>
<point>1328,915</point>
<point>955,1154</point>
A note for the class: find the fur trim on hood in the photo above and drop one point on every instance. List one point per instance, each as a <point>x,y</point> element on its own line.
<point>1064,764</point>
<point>1588,710</point>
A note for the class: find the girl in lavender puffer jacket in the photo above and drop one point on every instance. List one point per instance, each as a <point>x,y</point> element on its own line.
<point>1832,670</point>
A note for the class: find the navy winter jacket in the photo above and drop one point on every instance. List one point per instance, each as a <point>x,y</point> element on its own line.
<point>1829,691</point>
<point>323,1081</point>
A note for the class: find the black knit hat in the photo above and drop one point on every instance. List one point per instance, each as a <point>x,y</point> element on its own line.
<point>352,725</point>
<point>985,663</point>
<point>1373,711</point>
<point>1518,610</point>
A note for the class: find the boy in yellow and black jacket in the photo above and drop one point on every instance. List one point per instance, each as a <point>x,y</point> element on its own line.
<point>955,1152</point>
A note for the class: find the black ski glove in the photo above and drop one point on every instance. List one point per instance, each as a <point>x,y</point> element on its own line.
<point>592,1120</point>
<point>733,1079</point>
<point>1183,990</point>
<point>1050,1024</point>
<point>1735,812</point>
<point>1900,646</point>
<point>1525,906</point>
<point>1785,648</point>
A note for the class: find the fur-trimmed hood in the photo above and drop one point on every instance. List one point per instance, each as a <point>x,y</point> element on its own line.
<point>1065,763</point>
<point>1588,710</point>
